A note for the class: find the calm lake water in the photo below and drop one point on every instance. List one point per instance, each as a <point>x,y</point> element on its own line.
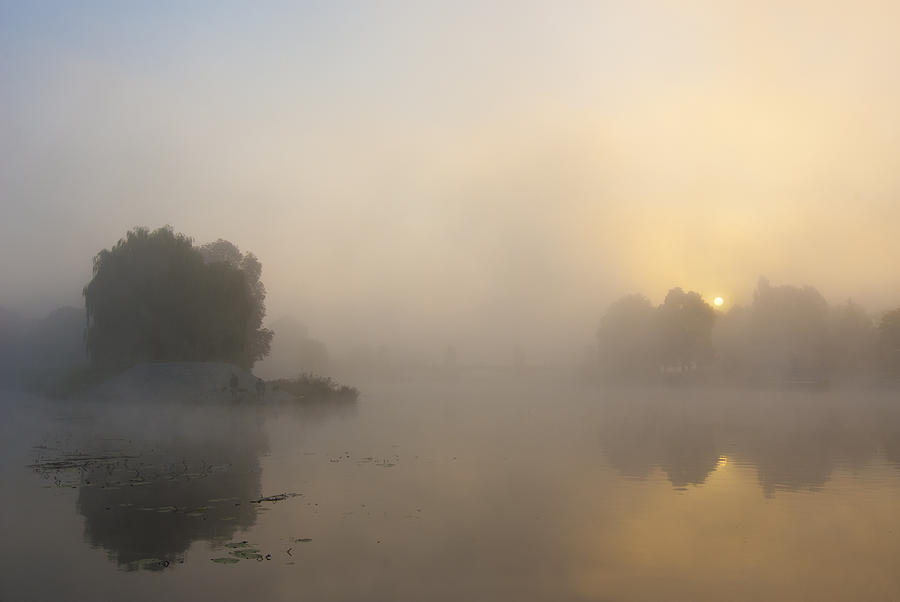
<point>480,489</point>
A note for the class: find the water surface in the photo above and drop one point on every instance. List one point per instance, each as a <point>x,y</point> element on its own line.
<point>476,489</point>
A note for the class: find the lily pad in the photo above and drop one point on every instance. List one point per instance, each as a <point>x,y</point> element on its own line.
<point>237,544</point>
<point>247,554</point>
<point>225,560</point>
<point>303,540</point>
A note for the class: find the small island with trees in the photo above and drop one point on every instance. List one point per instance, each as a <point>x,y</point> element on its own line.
<point>156,299</point>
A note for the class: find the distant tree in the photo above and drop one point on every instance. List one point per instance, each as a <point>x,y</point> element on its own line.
<point>294,351</point>
<point>889,343</point>
<point>789,332</point>
<point>11,328</point>
<point>685,329</point>
<point>852,340</point>
<point>730,338</point>
<point>154,298</point>
<point>627,339</point>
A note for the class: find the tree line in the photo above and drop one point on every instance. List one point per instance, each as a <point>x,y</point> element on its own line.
<point>786,334</point>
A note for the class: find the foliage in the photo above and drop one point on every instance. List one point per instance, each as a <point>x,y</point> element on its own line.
<point>685,327</point>
<point>311,387</point>
<point>788,334</point>
<point>294,350</point>
<point>154,298</point>
<point>223,251</point>
<point>889,342</point>
<point>627,339</point>
<point>637,340</point>
<point>852,337</point>
<point>790,324</point>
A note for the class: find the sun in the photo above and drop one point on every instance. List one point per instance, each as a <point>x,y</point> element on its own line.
<point>718,301</point>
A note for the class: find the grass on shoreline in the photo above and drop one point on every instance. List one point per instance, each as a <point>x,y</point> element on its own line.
<point>314,387</point>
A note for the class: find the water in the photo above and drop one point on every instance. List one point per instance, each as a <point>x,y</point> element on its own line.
<point>479,489</point>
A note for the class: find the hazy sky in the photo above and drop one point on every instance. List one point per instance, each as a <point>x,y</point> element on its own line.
<point>417,171</point>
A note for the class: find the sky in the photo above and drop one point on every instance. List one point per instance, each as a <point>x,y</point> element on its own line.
<point>479,174</point>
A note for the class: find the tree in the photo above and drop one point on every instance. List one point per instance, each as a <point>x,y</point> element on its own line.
<point>223,251</point>
<point>627,339</point>
<point>730,342</point>
<point>685,329</point>
<point>154,298</point>
<point>789,332</point>
<point>294,351</point>
<point>889,342</point>
<point>852,339</point>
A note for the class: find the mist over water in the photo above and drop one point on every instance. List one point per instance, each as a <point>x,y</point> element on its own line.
<point>469,301</point>
<point>493,488</point>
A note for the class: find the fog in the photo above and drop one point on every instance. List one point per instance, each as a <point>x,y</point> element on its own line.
<point>485,176</point>
<point>414,300</point>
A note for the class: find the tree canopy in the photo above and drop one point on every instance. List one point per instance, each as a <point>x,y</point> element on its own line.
<point>627,337</point>
<point>788,334</point>
<point>155,297</point>
<point>685,327</point>
<point>889,343</point>
<point>637,340</point>
<point>223,251</point>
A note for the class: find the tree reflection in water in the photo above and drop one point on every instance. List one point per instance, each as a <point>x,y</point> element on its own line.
<point>153,479</point>
<point>794,439</point>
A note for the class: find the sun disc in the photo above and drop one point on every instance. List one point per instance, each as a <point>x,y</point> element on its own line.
<point>718,301</point>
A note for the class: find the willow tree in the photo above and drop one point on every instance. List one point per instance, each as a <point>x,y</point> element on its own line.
<point>154,298</point>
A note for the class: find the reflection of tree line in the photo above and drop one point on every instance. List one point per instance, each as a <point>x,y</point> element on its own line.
<point>787,334</point>
<point>795,442</point>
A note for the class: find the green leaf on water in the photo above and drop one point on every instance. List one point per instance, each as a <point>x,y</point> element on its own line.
<point>225,560</point>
